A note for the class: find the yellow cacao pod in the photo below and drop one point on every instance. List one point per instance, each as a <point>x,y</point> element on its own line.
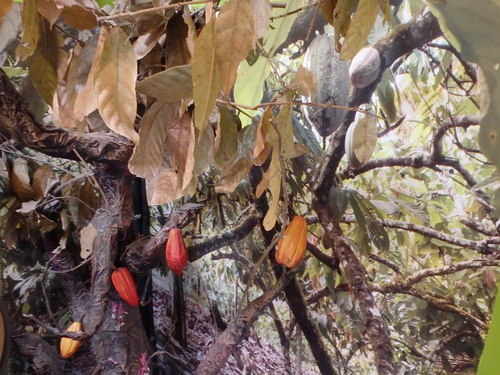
<point>292,246</point>
<point>69,346</point>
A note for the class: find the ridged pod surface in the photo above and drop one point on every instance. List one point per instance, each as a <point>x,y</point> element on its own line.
<point>176,252</point>
<point>292,246</point>
<point>332,85</point>
<point>68,346</point>
<point>125,286</point>
<point>365,67</point>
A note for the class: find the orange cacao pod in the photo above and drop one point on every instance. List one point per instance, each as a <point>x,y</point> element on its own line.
<point>292,246</point>
<point>125,286</point>
<point>69,346</point>
<point>176,252</point>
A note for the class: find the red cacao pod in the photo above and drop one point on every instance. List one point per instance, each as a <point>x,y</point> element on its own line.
<point>176,252</point>
<point>68,346</point>
<point>125,286</point>
<point>292,246</point>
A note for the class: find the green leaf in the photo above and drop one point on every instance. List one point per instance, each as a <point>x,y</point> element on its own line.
<point>338,199</point>
<point>475,31</point>
<point>488,365</point>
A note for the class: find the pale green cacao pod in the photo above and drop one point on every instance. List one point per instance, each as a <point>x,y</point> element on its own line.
<point>332,85</point>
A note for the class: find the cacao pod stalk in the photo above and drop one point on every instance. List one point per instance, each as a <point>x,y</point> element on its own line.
<point>68,346</point>
<point>292,246</point>
<point>125,286</point>
<point>176,252</point>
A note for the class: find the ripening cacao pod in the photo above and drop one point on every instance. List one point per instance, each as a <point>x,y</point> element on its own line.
<point>292,246</point>
<point>332,85</point>
<point>125,286</point>
<point>176,252</point>
<point>68,346</point>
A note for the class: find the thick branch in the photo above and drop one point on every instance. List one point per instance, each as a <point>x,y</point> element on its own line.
<point>19,124</point>
<point>222,239</point>
<point>356,275</point>
<point>226,343</point>
<point>147,252</point>
<point>420,30</point>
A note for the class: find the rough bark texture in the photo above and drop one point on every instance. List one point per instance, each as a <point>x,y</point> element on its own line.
<point>356,274</point>
<point>19,124</point>
<point>226,343</point>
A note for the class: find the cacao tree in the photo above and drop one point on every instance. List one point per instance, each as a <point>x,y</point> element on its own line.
<point>365,132</point>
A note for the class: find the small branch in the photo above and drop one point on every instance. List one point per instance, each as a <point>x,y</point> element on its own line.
<point>483,246</point>
<point>151,10</point>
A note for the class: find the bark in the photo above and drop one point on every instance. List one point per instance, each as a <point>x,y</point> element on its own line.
<point>293,292</point>
<point>226,343</point>
<point>420,30</point>
<point>19,124</point>
<point>45,358</point>
<point>356,275</point>
<point>105,317</point>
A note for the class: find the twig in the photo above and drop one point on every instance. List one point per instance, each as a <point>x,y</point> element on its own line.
<point>154,9</point>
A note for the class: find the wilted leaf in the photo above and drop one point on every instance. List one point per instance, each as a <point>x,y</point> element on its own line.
<point>5,7</point>
<point>262,147</point>
<point>171,85</point>
<point>204,150</point>
<point>303,82</point>
<point>85,102</point>
<point>164,187</point>
<point>360,141</point>
<point>206,78</point>
<point>359,29</point>
<point>285,128</point>
<point>30,25</point>
<point>232,176</point>
<point>87,237</point>
<point>43,179</point>
<point>114,84</point>
<point>341,20</point>
<point>275,190</point>
<point>327,7</point>
<point>79,17</point>
<point>234,36</point>
<point>20,181</point>
<point>148,154</point>
<point>262,11</point>
<point>145,43</point>
<point>226,137</point>
<point>49,10</point>
<point>176,42</point>
<point>10,26</point>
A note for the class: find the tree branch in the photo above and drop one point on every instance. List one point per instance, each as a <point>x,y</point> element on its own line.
<point>420,30</point>
<point>226,343</point>
<point>483,246</point>
<point>19,124</point>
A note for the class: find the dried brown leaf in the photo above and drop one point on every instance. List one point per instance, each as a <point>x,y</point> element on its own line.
<point>148,154</point>
<point>234,38</point>
<point>49,10</point>
<point>114,84</point>
<point>171,85</point>
<point>43,179</point>
<point>20,181</point>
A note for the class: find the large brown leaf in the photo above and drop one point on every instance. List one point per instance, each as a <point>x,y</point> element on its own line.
<point>20,181</point>
<point>148,154</point>
<point>171,85</point>
<point>30,25</point>
<point>44,62</point>
<point>234,38</point>
<point>206,77</point>
<point>114,84</point>
<point>5,7</point>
